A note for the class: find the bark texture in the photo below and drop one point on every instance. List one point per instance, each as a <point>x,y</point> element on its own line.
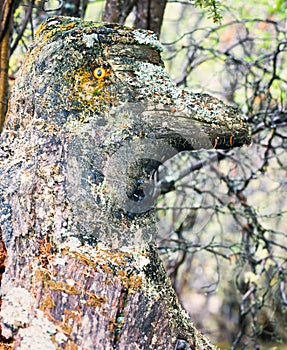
<point>92,115</point>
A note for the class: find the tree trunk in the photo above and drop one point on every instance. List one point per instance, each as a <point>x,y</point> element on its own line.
<point>148,13</point>
<point>92,115</point>
<point>74,8</point>
<point>117,11</point>
<point>5,31</point>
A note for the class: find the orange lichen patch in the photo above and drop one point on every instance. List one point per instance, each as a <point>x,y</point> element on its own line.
<point>95,300</point>
<point>40,29</point>
<point>44,27</point>
<point>70,314</point>
<point>120,258</point>
<point>112,324</point>
<point>64,325</point>
<point>63,287</point>
<point>41,275</point>
<point>132,283</point>
<point>68,25</point>
<point>116,265</point>
<point>65,328</point>
<point>135,282</point>
<point>81,257</point>
<point>72,346</point>
<point>47,303</point>
<point>107,269</point>
<point>61,327</point>
<point>46,36</point>
<point>45,252</point>
<point>88,89</point>
<point>6,346</point>
<point>122,275</point>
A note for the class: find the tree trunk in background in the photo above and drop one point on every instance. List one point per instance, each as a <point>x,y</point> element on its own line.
<point>74,8</point>
<point>92,116</point>
<point>148,13</point>
<point>117,11</point>
<point>5,32</point>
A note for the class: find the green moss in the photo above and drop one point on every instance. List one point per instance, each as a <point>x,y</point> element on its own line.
<point>96,93</point>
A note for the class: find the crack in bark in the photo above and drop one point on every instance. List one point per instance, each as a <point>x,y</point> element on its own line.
<point>119,320</point>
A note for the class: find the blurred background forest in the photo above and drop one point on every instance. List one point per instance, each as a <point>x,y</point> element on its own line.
<point>223,230</point>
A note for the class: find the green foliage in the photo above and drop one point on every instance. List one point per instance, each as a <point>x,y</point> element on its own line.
<point>213,8</point>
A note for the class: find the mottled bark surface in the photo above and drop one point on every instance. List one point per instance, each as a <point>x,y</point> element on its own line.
<point>92,115</point>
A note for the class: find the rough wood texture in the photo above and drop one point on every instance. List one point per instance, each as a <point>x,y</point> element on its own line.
<point>92,115</point>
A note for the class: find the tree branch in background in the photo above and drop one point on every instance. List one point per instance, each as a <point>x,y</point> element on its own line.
<point>26,20</point>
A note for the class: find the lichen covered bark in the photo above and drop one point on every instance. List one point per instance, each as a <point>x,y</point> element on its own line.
<point>92,115</point>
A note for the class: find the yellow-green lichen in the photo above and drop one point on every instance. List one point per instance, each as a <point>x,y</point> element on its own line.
<point>86,90</point>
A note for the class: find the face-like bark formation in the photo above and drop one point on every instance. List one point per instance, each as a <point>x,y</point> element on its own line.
<point>92,115</point>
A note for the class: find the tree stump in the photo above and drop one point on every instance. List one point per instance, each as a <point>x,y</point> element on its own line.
<point>92,115</point>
